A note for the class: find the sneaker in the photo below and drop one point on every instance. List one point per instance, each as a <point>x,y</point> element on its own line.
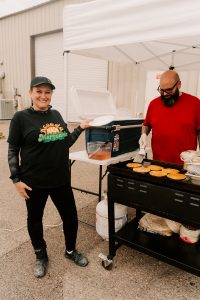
<point>41,263</point>
<point>40,268</point>
<point>78,258</point>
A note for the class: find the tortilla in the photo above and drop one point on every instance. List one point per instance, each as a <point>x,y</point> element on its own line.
<point>133,165</point>
<point>177,176</point>
<point>155,168</point>
<point>161,173</point>
<point>171,171</point>
<point>141,170</point>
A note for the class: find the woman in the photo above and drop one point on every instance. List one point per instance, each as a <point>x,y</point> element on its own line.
<point>41,138</point>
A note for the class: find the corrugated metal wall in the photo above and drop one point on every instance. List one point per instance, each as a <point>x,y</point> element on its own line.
<point>127,85</point>
<point>16,48</point>
<point>17,54</point>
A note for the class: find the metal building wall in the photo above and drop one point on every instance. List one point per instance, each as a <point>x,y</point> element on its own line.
<point>127,85</point>
<point>16,43</point>
<point>17,34</point>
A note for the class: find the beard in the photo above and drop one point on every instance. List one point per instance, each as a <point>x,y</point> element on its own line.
<point>170,100</point>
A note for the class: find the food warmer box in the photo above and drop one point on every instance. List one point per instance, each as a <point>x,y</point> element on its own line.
<point>176,200</point>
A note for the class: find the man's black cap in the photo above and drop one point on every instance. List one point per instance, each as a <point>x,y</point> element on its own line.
<point>39,80</point>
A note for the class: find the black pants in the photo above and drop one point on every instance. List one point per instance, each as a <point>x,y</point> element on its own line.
<point>63,199</point>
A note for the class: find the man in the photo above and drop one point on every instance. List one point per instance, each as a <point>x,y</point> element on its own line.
<point>174,118</point>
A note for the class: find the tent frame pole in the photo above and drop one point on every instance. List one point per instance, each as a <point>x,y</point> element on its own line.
<point>66,83</point>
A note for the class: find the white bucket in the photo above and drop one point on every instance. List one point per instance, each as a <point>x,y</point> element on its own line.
<point>102,218</point>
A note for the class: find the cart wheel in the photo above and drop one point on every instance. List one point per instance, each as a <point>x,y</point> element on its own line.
<point>106,261</point>
<point>107,265</point>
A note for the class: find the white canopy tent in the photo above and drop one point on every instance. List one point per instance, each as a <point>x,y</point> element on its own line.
<point>157,34</point>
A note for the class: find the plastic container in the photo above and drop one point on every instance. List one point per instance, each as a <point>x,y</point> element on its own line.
<point>194,178</point>
<point>99,150</point>
<point>90,104</point>
<point>189,236</point>
<point>102,217</point>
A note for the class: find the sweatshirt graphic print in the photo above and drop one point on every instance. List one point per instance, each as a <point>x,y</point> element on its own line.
<point>51,132</point>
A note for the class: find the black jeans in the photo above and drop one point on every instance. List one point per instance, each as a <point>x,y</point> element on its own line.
<point>63,199</point>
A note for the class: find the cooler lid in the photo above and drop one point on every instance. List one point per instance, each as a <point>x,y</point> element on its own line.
<point>90,104</point>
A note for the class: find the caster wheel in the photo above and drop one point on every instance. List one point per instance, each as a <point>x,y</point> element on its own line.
<point>107,265</point>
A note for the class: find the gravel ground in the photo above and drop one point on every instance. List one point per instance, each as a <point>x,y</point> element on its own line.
<point>134,275</point>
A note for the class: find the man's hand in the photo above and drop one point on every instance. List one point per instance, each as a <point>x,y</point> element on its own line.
<point>21,188</point>
<point>143,141</point>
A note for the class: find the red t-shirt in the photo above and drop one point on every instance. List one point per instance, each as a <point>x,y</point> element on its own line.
<point>175,128</point>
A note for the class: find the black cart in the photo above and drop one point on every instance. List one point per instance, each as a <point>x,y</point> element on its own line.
<point>175,200</point>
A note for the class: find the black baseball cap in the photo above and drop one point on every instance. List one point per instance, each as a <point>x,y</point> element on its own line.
<point>39,80</point>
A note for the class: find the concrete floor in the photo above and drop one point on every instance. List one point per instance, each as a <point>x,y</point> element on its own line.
<point>134,275</point>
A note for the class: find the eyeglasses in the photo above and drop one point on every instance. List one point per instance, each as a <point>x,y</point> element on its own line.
<point>167,91</point>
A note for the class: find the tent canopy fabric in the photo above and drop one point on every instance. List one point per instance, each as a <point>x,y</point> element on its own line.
<point>155,33</point>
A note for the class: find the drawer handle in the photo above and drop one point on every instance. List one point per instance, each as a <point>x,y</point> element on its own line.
<point>178,200</point>
<point>131,183</point>
<point>120,180</point>
<point>143,185</point>
<point>142,191</point>
<point>194,198</point>
<point>177,194</point>
<point>119,185</point>
<point>194,204</point>
<point>131,188</point>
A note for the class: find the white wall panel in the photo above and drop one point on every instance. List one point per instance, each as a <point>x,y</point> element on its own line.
<point>84,73</point>
<point>127,85</point>
<point>49,63</point>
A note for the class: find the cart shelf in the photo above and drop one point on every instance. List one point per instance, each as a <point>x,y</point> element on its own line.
<point>168,249</point>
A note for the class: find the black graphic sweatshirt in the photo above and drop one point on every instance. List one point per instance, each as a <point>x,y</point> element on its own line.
<point>39,145</point>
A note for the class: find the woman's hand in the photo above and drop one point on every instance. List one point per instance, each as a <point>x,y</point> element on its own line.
<point>85,124</point>
<point>21,188</point>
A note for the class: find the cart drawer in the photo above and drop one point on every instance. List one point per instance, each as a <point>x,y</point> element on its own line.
<point>139,194</point>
